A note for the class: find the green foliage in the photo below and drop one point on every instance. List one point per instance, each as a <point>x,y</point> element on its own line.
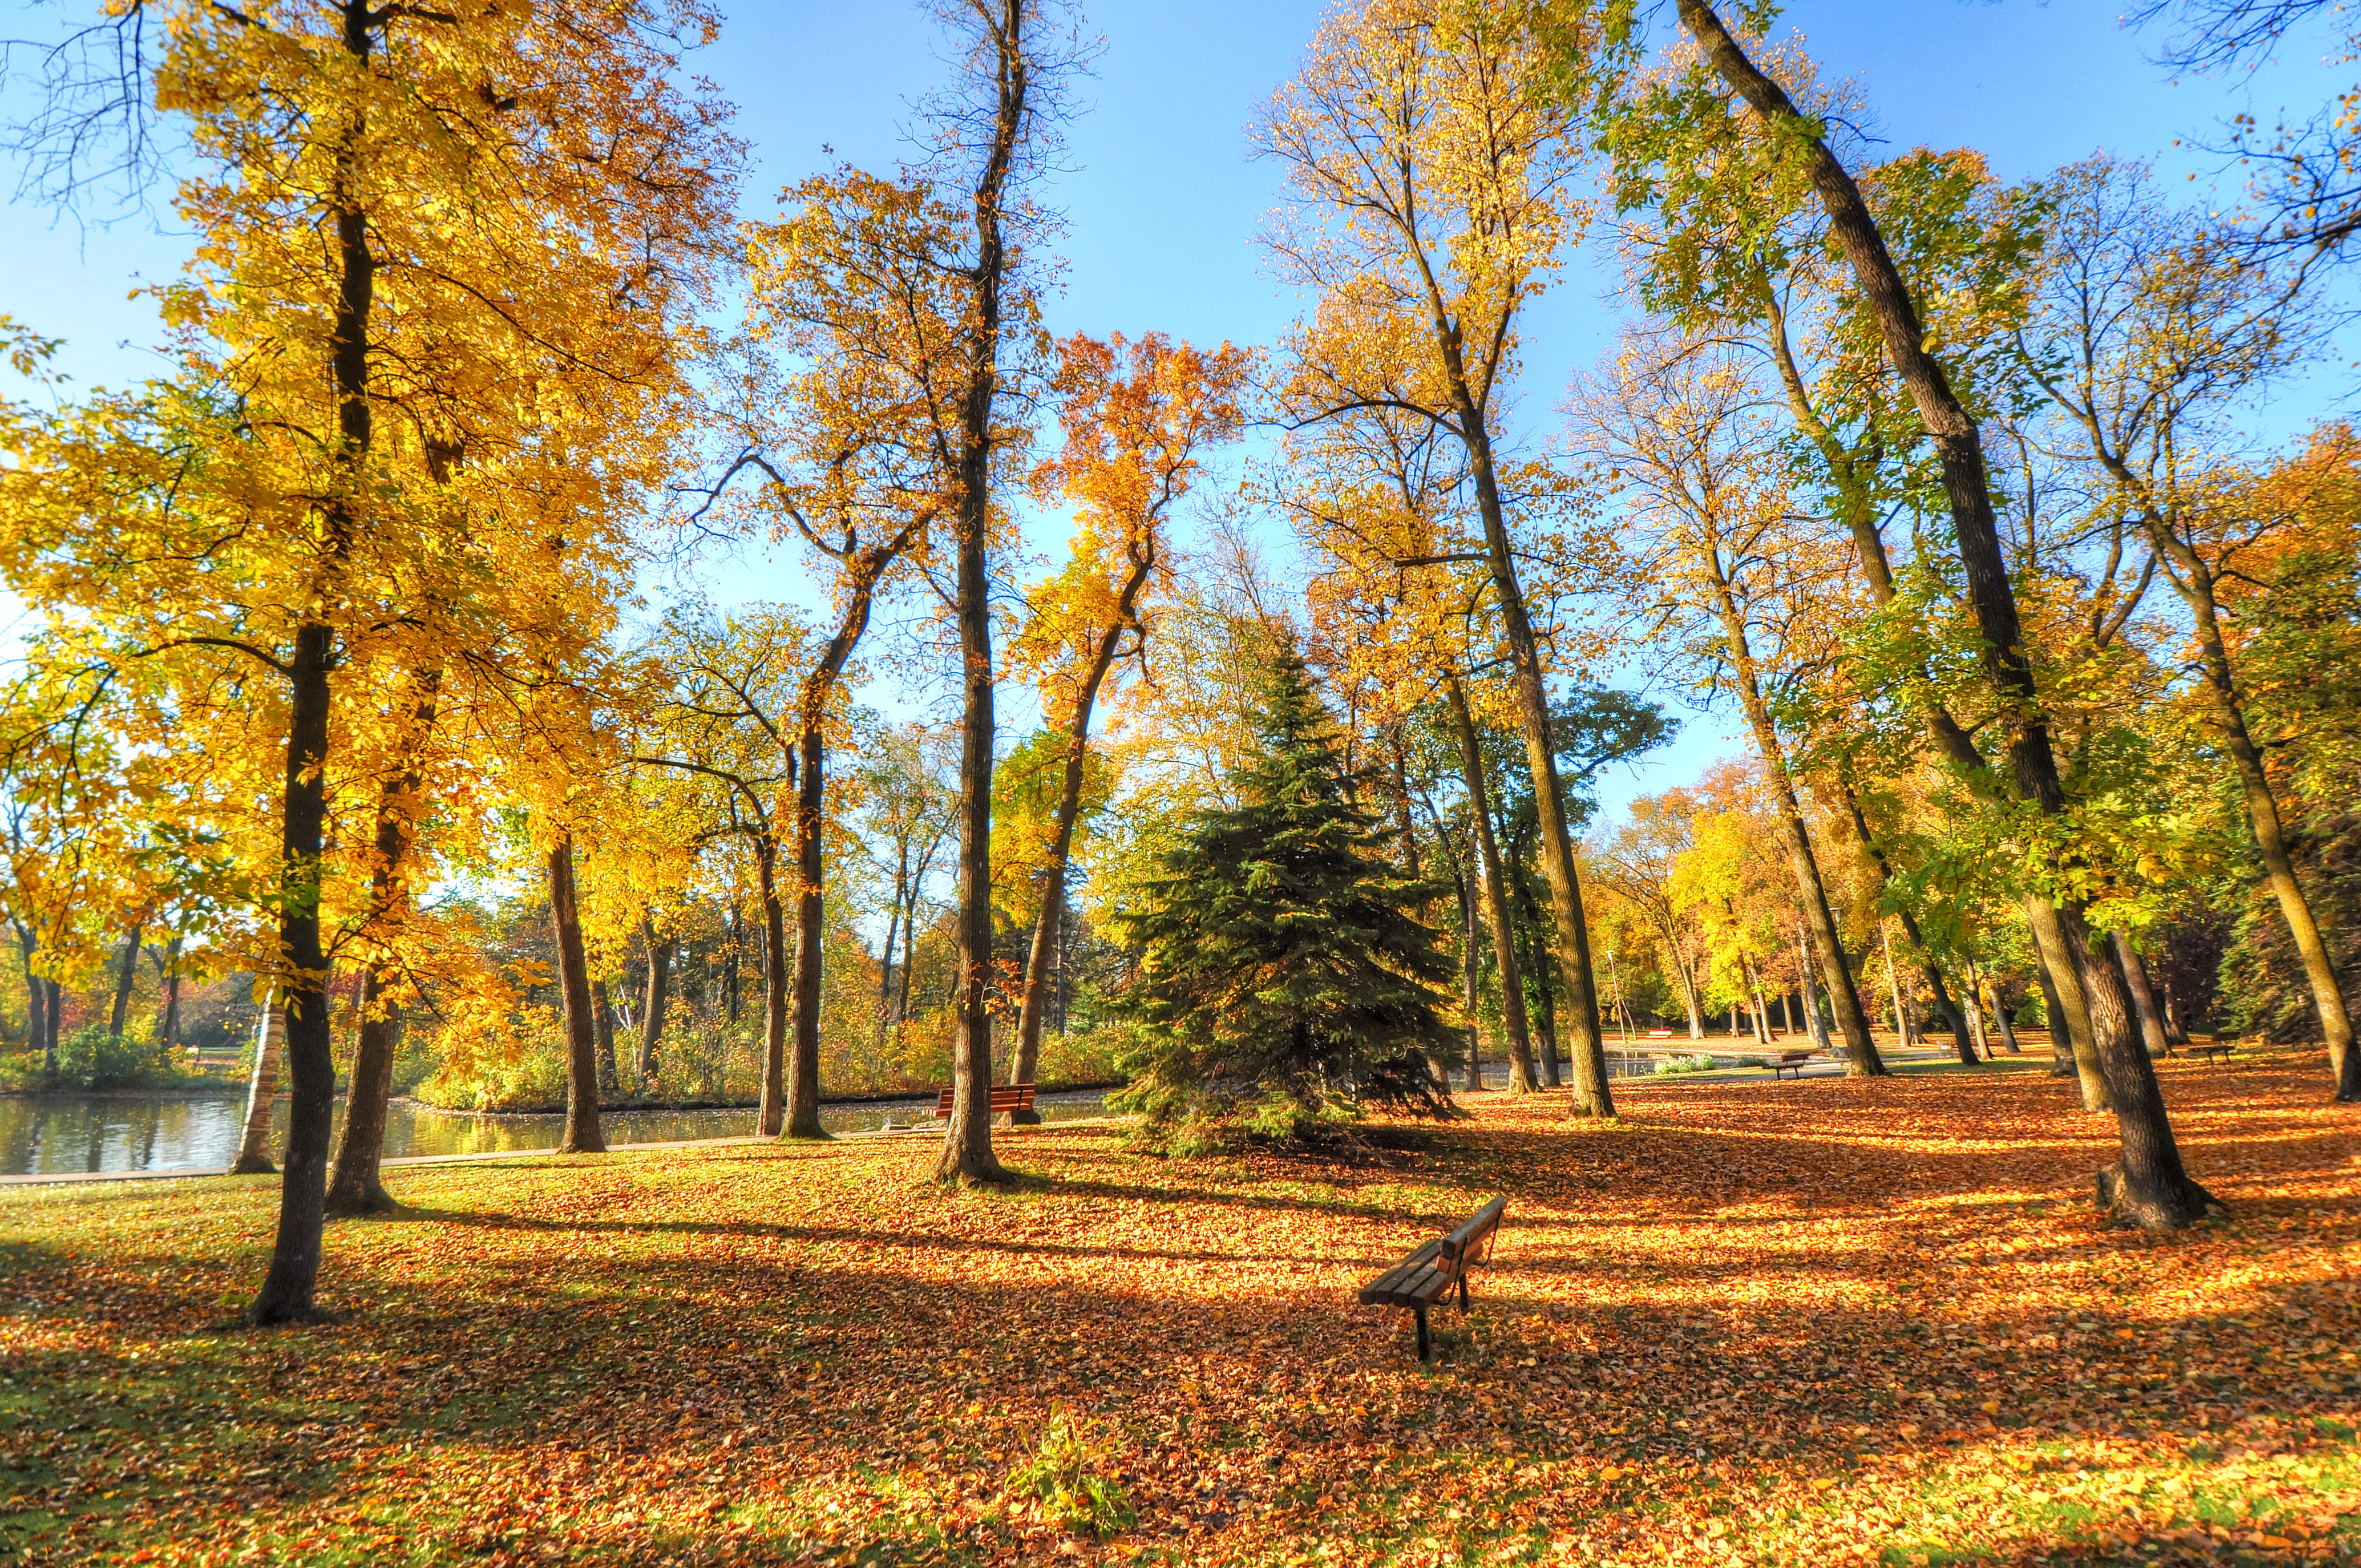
<point>1286,978</point>
<point>1065,1476</point>
<point>1686,1064</point>
<point>91,1058</point>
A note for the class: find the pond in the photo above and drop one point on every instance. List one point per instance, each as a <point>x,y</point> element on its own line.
<point>94,1134</point>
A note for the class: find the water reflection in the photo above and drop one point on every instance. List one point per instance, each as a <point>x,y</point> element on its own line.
<point>90,1134</point>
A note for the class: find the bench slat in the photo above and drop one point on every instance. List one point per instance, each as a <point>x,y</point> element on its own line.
<point>1478,1229</point>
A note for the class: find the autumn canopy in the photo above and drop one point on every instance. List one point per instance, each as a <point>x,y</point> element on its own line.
<point>1227,746</point>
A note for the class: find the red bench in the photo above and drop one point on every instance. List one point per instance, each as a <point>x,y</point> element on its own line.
<point>1006,1099</point>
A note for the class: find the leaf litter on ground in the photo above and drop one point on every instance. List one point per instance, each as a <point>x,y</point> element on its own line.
<point>1831,1322</point>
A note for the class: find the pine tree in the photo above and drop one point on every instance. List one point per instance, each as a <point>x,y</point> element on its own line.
<point>1287,979</point>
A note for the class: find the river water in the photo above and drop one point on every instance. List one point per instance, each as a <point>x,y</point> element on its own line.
<point>58,1135</point>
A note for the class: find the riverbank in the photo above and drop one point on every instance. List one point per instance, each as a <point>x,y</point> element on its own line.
<point>79,1136</point>
<point>744,1102</point>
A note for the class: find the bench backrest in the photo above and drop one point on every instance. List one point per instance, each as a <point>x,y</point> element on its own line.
<point>1473,1241</point>
<point>1005,1097</point>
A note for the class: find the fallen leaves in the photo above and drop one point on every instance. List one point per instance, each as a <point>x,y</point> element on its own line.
<point>1812,1323</point>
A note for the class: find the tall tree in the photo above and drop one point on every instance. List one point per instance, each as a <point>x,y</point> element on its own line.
<point>2149,1187</point>
<point>1138,418</point>
<point>1431,161</point>
<point>1679,423</point>
<point>2151,332</point>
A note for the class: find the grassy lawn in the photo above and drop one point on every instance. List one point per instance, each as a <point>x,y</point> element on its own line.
<point>1819,1322</point>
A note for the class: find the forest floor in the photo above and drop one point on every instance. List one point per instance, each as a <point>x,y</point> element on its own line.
<point>1819,1322</point>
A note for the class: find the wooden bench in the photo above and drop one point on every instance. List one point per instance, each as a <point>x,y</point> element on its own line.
<point>2216,1051</point>
<point>1006,1099</point>
<point>1427,1275</point>
<point>1787,1062</point>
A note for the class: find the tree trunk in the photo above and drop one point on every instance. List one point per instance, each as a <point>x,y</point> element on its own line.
<point>659,1000</point>
<point>1927,967</point>
<point>1592,1096</point>
<point>1862,1059</point>
<point>2143,1008</point>
<point>356,1187</point>
<point>288,1285</point>
<point>811,911</point>
<point>582,1132</point>
<point>125,975</point>
<point>603,1011</point>
<point>2270,830</point>
<point>1894,984</point>
<point>1046,928</point>
<point>168,1025</point>
<point>1980,1048</point>
<point>771,1117</point>
<point>967,1135</point>
<point>38,1035</point>
<point>730,988</point>
<point>1811,1003</point>
<point>2000,1015</point>
<point>262,1093</point>
<point>2149,1187</point>
<point>1470,960</point>
<point>2044,920</point>
<point>2061,1047</point>
<point>1689,994</point>
<point>1493,891</point>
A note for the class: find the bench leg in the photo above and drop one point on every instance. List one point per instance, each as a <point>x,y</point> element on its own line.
<point>1422,1348</point>
<point>1462,1291</point>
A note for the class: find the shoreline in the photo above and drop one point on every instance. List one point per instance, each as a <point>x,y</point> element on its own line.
<point>231,1090</point>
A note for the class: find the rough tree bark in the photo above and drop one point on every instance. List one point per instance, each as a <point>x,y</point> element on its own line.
<point>863,571</point>
<point>1862,1059</point>
<point>967,1138</point>
<point>2144,1005</point>
<point>777,986</point>
<point>355,1186</point>
<point>582,1133</point>
<point>2148,1188</point>
<point>603,1010</point>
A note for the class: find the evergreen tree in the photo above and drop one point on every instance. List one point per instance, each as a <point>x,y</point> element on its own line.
<point>1286,978</point>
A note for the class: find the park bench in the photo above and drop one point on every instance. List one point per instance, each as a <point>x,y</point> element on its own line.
<point>2212,1048</point>
<point>1786,1062</point>
<point>1427,1275</point>
<point>1660,1034</point>
<point>1006,1099</point>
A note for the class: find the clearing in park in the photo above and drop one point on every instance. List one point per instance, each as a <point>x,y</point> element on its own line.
<point>1839,1320</point>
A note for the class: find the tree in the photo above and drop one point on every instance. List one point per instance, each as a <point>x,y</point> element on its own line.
<point>2150,332</point>
<point>1433,164</point>
<point>1285,977</point>
<point>333,142</point>
<point>1009,80</point>
<point>2149,1187</point>
<point>716,713</point>
<point>1138,418</point>
<point>1680,426</point>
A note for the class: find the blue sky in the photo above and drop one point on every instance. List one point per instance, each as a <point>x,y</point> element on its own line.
<point>1164,204</point>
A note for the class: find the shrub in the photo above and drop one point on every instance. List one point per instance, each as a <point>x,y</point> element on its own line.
<point>1070,1474</point>
<point>91,1058</point>
<point>1083,1056</point>
<point>1686,1064</point>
